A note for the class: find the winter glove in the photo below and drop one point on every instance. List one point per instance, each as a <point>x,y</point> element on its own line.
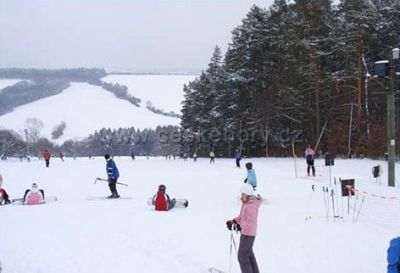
<point>229,224</point>
<point>245,181</point>
<point>236,227</point>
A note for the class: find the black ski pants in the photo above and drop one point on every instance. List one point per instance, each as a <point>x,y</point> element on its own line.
<point>247,260</point>
<point>47,163</point>
<point>112,184</point>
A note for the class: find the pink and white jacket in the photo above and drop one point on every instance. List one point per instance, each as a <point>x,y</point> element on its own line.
<point>247,218</point>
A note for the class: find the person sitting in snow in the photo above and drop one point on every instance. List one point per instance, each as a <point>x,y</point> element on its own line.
<point>4,198</point>
<point>161,199</point>
<point>393,256</point>
<point>33,196</point>
<point>251,176</point>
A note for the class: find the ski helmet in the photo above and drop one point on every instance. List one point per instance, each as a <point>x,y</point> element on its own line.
<point>249,165</point>
<point>247,189</point>
<point>162,188</point>
<point>106,156</point>
<point>34,186</point>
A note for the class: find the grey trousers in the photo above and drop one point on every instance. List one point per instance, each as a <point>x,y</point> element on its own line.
<point>247,260</point>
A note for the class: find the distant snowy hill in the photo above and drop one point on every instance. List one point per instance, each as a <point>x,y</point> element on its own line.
<point>7,82</point>
<point>86,108</point>
<point>163,91</point>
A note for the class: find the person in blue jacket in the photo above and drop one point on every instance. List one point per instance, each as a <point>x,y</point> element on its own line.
<point>113,174</point>
<point>393,256</point>
<point>251,175</point>
<point>238,157</point>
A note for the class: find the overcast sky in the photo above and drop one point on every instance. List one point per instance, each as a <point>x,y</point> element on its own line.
<point>131,35</point>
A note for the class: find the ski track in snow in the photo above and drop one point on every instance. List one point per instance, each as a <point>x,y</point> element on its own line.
<point>77,235</point>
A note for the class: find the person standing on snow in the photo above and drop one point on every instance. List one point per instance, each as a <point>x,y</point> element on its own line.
<point>161,199</point>
<point>46,156</point>
<point>251,176</point>
<point>310,155</point>
<point>113,174</point>
<point>4,198</point>
<point>246,223</point>
<point>238,157</point>
<point>212,157</point>
<point>393,256</point>
<point>194,157</point>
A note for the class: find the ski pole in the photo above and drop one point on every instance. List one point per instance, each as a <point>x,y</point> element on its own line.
<point>309,203</point>
<point>355,207</point>
<point>106,180</point>
<point>333,205</point>
<point>359,209</point>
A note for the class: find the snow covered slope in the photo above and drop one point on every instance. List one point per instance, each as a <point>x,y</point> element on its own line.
<point>85,108</point>
<point>163,91</point>
<point>7,82</point>
<point>102,236</point>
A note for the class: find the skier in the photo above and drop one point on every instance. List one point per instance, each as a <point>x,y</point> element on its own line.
<point>4,198</point>
<point>194,157</point>
<point>61,155</point>
<point>113,174</point>
<point>246,223</point>
<point>33,196</point>
<point>251,176</point>
<point>393,256</point>
<point>310,155</point>
<point>238,157</point>
<point>212,157</point>
<point>161,199</point>
<point>46,156</point>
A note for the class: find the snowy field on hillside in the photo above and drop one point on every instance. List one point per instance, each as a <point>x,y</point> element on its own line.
<point>163,91</point>
<point>7,82</point>
<point>85,108</point>
<point>125,235</point>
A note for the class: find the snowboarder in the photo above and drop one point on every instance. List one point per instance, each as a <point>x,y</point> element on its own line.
<point>212,157</point>
<point>46,156</point>
<point>113,174</point>
<point>4,198</point>
<point>310,155</point>
<point>161,199</point>
<point>246,223</point>
<point>238,157</point>
<point>33,196</point>
<point>251,176</point>
<point>393,256</point>
<point>194,157</point>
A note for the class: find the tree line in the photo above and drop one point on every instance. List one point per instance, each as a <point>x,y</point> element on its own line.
<point>294,74</point>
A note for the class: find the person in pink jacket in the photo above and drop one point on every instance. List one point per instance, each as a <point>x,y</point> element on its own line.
<point>246,223</point>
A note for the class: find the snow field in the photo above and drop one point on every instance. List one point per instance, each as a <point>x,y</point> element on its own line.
<point>163,91</point>
<point>85,108</point>
<point>77,235</point>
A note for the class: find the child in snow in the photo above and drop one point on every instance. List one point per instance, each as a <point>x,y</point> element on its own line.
<point>33,196</point>
<point>4,198</point>
<point>246,223</point>
<point>212,157</point>
<point>161,199</point>
<point>310,155</point>
<point>393,256</point>
<point>251,176</point>
<point>46,155</point>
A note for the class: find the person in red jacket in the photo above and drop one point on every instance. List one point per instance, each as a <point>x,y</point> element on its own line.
<point>4,198</point>
<point>46,156</point>
<point>162,201</point>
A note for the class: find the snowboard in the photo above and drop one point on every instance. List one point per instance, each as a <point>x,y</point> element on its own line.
<point>47,199</point>
<point>92,198</point>
<point>179,202</point>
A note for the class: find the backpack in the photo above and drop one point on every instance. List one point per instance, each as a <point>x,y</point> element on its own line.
<point>34,198</point>
<point>161,202</point>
